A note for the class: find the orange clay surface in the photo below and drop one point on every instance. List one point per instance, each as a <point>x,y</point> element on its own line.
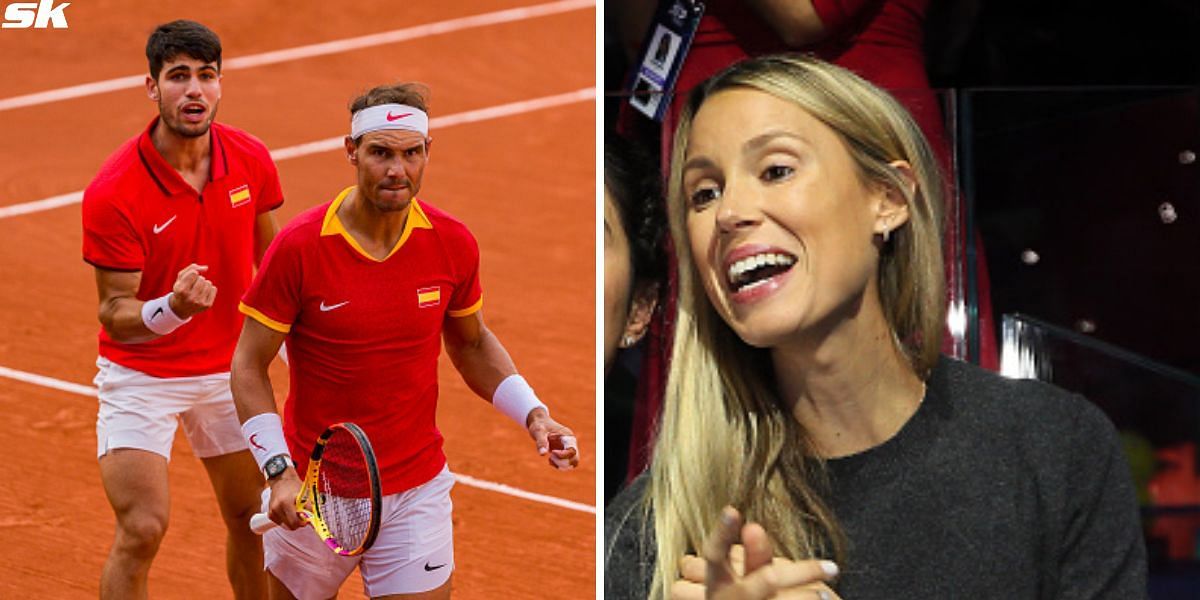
<point>524,184</point>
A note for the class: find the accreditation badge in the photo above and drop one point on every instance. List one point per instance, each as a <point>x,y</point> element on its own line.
<point>663,53</point>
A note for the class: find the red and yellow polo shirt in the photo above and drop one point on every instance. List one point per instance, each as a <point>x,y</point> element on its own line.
<point>364,335</point>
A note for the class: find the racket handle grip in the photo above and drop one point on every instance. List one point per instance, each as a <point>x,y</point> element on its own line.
<point>260,523</point>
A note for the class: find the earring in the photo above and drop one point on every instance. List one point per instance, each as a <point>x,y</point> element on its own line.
<point>887,233</point>
<point>628,341</point>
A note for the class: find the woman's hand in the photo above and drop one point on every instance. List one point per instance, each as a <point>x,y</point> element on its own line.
<point>749,571</point>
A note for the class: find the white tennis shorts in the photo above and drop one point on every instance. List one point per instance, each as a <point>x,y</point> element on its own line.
<point>140,411</point>
<point>414,551</point>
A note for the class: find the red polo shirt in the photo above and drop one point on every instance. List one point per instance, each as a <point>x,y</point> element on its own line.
<point>140,215</point>
<point>364,334</point>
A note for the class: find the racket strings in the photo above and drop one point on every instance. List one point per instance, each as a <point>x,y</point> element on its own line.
<point>345,490</point>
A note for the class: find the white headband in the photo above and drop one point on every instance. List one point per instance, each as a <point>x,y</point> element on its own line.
<point>389,116</point>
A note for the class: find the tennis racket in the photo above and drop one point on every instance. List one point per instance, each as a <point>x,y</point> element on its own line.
<point>340,497</point>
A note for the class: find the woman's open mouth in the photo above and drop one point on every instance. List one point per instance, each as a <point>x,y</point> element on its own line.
<point>754,275</point>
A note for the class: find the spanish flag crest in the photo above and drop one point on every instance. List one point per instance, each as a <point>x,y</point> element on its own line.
<point>429,297</point>
<point>239,196</point>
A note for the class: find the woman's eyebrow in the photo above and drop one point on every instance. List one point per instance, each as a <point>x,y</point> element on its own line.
<point>698,162</point>
<point>762,139</point>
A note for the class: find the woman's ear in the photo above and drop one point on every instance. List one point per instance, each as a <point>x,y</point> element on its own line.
<point>641,310</point>
<point>891,204</point>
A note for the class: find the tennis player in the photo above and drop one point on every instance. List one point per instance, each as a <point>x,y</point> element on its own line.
<point>173,224</point>
<point>365,289</point>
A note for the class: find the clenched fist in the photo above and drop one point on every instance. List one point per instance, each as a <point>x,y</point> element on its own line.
<point>193,293</point>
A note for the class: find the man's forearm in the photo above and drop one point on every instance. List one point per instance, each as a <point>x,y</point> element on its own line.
<point>482,365</point>
<point>122,321</point>
<point>252,391</point>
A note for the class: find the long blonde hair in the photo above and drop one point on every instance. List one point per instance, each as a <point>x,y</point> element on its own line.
<point>725,437</point>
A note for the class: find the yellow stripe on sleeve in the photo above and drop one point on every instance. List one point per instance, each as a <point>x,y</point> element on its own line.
<point>472,309</point>
<point>253,313</point>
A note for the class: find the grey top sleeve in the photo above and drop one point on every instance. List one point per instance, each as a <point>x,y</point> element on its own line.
<point>628,545</point>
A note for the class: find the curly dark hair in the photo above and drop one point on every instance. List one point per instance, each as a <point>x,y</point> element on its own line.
<point>631,176</point>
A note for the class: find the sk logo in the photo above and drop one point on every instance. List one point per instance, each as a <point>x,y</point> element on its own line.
<point>38,15</point>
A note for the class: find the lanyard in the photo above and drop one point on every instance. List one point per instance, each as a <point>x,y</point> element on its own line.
<point>663,53</point>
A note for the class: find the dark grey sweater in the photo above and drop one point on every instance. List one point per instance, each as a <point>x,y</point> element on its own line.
<point>994,489</point>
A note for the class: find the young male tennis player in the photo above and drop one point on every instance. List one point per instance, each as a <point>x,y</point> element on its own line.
<point>173,224</point>
<point>365,289</point>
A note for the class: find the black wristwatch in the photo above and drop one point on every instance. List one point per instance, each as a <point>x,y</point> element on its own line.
<point>276,465</point>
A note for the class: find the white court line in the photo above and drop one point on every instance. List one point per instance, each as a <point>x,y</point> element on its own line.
<point>512,491</point>
<point>50,382</point>
<point>40,205</point>
<point>491,486</point>
<point>311,50</point>
<point>335,143</point>
<point>470,116</point>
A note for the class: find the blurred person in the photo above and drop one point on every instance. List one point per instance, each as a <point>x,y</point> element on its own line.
<point>634,266</point>
<point>173,224</point>
<point>880,40</point>
<point>806,388</point>
<point>365,289</point>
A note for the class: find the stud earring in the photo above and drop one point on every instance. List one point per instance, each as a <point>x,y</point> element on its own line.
<point>628,341</point>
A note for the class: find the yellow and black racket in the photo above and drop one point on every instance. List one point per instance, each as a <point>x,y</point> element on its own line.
<point>340,497</point>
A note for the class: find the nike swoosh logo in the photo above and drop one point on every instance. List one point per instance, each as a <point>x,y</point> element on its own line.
<point>158,228</point>
<point>429,568</point>
<point>256,444</point>
<point>391,117</point>
<point>327,308</point>
<point>157,311</point>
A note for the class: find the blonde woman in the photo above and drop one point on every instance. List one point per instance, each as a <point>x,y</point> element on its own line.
<point>813,443</point>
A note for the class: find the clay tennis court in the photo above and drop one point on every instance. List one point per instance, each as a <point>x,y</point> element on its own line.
<point>514,158</point>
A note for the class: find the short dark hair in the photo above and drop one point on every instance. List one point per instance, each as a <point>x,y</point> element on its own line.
<point>182,37</point>
<point>411,93</point>
<point>631,176</point>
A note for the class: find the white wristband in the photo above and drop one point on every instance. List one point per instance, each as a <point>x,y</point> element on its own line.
<point>158,316</point>
<point>516,399</point>
<point>264,433</point>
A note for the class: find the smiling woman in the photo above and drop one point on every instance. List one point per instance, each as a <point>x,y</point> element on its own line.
<point>773,192</point>
<point>806,389</point>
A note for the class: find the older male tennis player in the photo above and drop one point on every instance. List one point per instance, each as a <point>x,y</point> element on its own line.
<point>365,288</point>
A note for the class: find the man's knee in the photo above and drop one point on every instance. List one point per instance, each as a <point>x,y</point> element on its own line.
<point>140,533</point>
<point>240,511</point>
<point>237,483</point>
<point>236,513</point>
